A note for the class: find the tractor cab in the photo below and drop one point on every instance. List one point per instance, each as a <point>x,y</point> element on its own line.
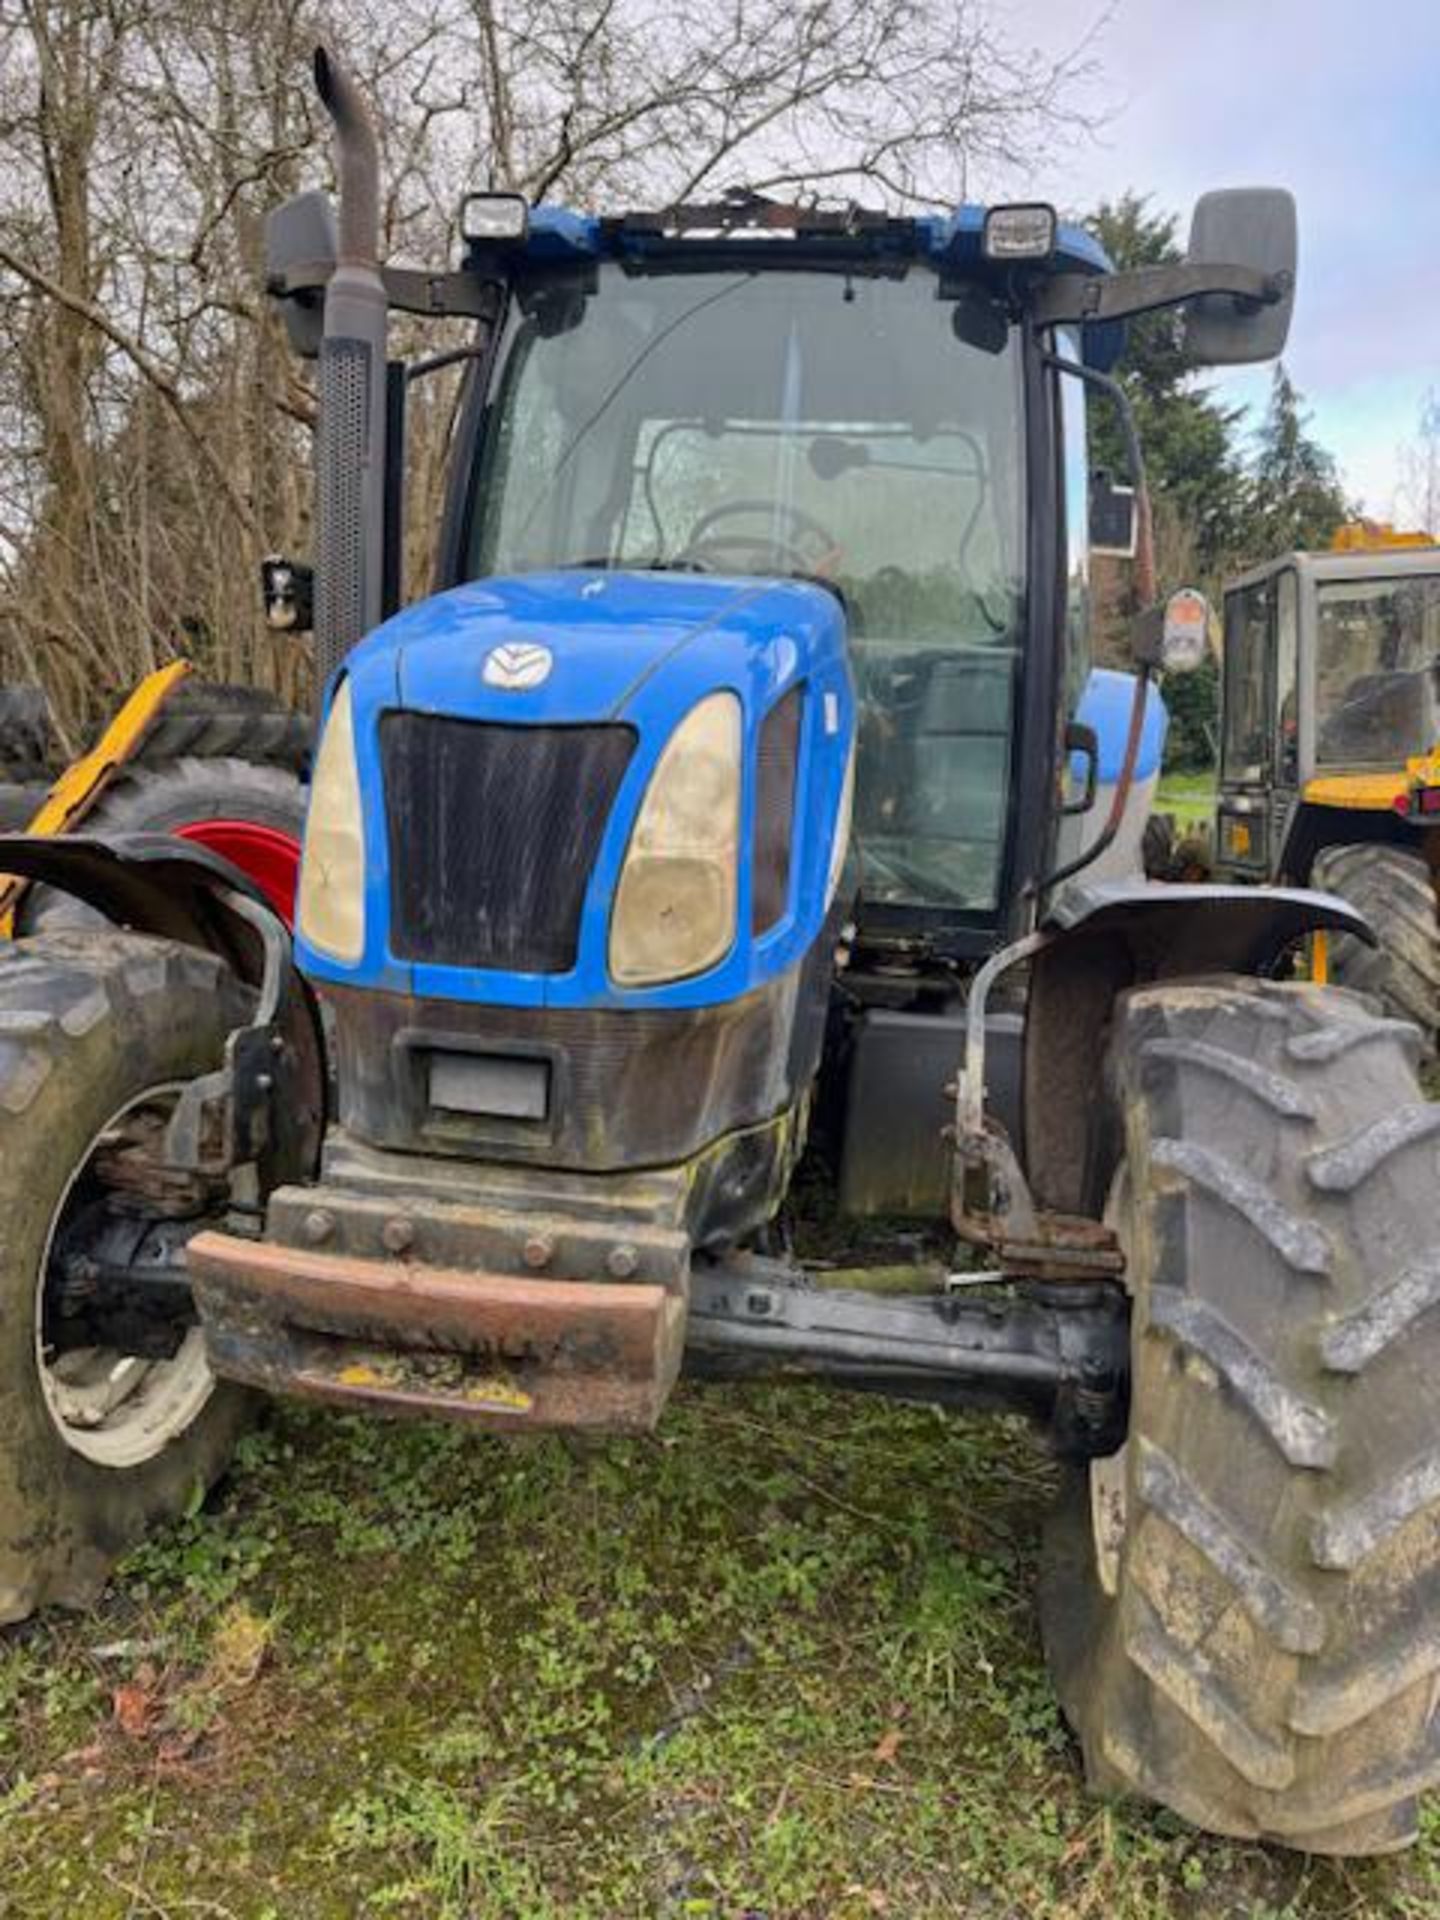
<point>843,409</point>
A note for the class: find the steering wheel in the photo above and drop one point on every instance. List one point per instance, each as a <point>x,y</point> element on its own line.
<point>706,547</point>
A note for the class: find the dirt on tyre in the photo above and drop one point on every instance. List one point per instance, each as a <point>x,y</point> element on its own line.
<point>98,1444</point>
<point>178,799</point>
<point>1394,890</point>
<point>1240,1608</point>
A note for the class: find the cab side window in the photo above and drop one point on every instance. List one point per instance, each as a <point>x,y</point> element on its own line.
<point>1075,481</point>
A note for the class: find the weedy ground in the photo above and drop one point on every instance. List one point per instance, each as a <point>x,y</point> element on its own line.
<point>1190,797</point>
<point>780,1660</point>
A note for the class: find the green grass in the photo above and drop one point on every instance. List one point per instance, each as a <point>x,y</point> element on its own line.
<point>1189,796</point>
<point>778,1661</point>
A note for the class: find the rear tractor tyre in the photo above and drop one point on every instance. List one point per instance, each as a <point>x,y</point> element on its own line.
<point>191,798</point>
<point>19,805</point>
<point>27,743</point>
<point>1240,1607</point>
<point>98,1443</point>
<point>1394,890</point>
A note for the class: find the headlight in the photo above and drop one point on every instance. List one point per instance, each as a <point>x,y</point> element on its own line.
<point>675,905</point>
<point>331,913</point>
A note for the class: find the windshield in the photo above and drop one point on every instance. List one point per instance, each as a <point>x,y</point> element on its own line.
<point>1376,682</point>
<point>808,423</point>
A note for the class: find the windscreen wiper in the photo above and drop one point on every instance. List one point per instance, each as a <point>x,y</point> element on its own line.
<point>605,564</point>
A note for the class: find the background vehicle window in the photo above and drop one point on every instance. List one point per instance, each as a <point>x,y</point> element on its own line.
<point>1248,655</point>
<point>1377,695</point>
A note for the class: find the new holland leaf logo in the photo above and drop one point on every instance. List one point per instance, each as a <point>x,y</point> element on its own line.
<point>516,666</point>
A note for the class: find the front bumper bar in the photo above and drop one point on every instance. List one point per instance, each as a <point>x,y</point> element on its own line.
<point>495,1349</point>
<point>517,1301</point>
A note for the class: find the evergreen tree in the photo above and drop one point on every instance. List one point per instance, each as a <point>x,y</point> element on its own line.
<point>1215,512</point>
<point>1297,499</point>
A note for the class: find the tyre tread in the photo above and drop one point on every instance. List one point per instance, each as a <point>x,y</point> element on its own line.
<point>1270,1665</point>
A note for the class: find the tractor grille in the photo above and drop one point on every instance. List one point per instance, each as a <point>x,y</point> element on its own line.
<point>493,833</point>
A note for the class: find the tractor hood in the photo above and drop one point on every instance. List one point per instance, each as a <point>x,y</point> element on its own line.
<point>505,737</point>
<point>580,644</point>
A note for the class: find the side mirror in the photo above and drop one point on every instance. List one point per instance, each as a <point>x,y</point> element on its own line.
<point>287,588</point>
<point>1173,638</point>
<point>300,250</point>
<point>1241,227</point>
<point>1112,517</point>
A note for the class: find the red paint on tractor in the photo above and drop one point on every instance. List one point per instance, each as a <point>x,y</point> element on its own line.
<point>270,858</point>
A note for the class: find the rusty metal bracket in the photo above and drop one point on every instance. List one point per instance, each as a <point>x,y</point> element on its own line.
<point>991,1205</point>
<point>253,1110</point>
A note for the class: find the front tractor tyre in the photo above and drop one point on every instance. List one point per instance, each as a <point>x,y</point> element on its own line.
<point>1242,1608</point>
<point>110,1419</point>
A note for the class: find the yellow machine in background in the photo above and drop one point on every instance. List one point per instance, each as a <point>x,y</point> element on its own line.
<point>1330,747</point>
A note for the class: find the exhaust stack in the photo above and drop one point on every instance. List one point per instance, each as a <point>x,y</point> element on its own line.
<point>350,452</point>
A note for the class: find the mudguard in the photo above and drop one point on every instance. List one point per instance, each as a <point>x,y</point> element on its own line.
<point>1106,936</point>
<point>1201,928</point>
<point>154,883</point>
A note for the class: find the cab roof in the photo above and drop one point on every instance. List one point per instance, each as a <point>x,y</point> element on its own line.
<point>1371,563</point>
<point>557,235</point>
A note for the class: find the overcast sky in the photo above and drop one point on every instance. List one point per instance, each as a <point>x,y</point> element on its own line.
<point>1338,102</point>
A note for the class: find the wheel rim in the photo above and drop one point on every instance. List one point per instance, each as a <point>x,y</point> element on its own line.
<point>1109,1477</point>
<point>264,854</point>
<point>115,1409</point>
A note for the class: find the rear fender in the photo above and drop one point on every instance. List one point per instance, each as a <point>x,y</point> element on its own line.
<point>1111,935</point>
<point>151,883</point>
<point>157,884</point>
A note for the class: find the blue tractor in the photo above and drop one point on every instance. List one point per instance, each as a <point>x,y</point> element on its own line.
<point>743,791</point>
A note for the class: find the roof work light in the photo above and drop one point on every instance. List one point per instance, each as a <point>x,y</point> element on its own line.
<point>489,217</point>
<point>1022,232</point>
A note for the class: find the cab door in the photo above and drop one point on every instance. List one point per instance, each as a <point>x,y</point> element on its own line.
<point>1249,731</point>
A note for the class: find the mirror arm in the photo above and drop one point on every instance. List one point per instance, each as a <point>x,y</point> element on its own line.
<point>437,362</point>
<point>408,289</point>
<point>1071,298</point>
<point>1145,591</point>
<point>1144,578</point>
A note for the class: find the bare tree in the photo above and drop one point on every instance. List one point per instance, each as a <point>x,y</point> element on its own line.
<point>153,429</point>
<point>1418,493</point>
